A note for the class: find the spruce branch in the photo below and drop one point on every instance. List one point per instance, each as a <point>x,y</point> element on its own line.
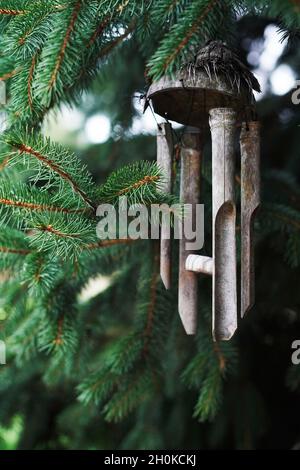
<point>6,76</point>
<point>23,340</point>
<point>64,45</point>
<point>209,399</point>
<point>97,388</point>
<point>107,49</point>
<point>63,235</point>
<point>151,305</point>
<point>128,376</point>
<point>122,355</point>
<point>287,215</point>
<point>63,57</point>
<point>50,162</point>
<point>22,107</point>
<point>108,15</point>
<point>40,273</point>
<point>99,31</point>
<point>23,148</point>
<point>26,34</point>
<point>206,371</point>
<point>58,335</point>
<point>167,11</point>
<point>138,389</point>
<point>139,182</point>
<point>23,198</point>
<point>199,14</point>
<point>13,242</point>
<point>285,12</point>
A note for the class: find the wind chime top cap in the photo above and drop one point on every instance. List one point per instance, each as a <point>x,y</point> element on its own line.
<point>214,78</point>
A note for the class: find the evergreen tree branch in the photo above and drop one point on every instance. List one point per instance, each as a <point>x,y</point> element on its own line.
<point>9,75</point>
<point>180,34</point>
<point>21,196</point>
<point>152,303</point>
<point>62,50</point>
<point>51,158</point>
<point>139,182</point>
<point>55,168</point>
<point>98,31</point>
<point>115,42</point>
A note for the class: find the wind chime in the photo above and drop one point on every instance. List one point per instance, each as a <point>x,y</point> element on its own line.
<point>213,91</point>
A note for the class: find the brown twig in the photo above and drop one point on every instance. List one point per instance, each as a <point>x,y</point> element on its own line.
<point>99,30</point>
<point>4,163</point>
<point>106,243</point>
<point>106,50</point>
<point>221,358</point>
<point>138,184</point>
<point>58,340</point>
<point>6,11</point>
<point>38,207</point>
<point>9,75</point>
<point>51,229</point>
<point>15,251</point>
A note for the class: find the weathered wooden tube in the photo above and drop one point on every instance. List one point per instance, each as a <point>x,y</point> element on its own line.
<point>191,154</point>
<point>164,160</point>
<point>223,126</point>
<point>250,200</point>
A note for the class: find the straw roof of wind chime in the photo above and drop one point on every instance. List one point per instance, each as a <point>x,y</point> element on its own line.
<point>214,88</point>
<point>214,77</point>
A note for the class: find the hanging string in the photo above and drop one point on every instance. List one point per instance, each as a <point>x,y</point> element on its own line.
<point>153,114</point>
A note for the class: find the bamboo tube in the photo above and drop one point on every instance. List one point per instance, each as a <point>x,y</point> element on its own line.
<point>164,160</point>
<point>250,200</point>
<point>191,154</point>
<point>222,124</point>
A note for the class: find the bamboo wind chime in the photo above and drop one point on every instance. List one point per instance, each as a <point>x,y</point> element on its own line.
<point>213,91</point>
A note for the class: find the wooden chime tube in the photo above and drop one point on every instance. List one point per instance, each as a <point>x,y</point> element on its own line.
<point>191,154</point>
<point>164,160</point>
<point>223,125</point>
<point>250,200</point>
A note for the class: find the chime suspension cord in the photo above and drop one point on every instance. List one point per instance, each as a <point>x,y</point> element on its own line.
<point>153,113</point>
